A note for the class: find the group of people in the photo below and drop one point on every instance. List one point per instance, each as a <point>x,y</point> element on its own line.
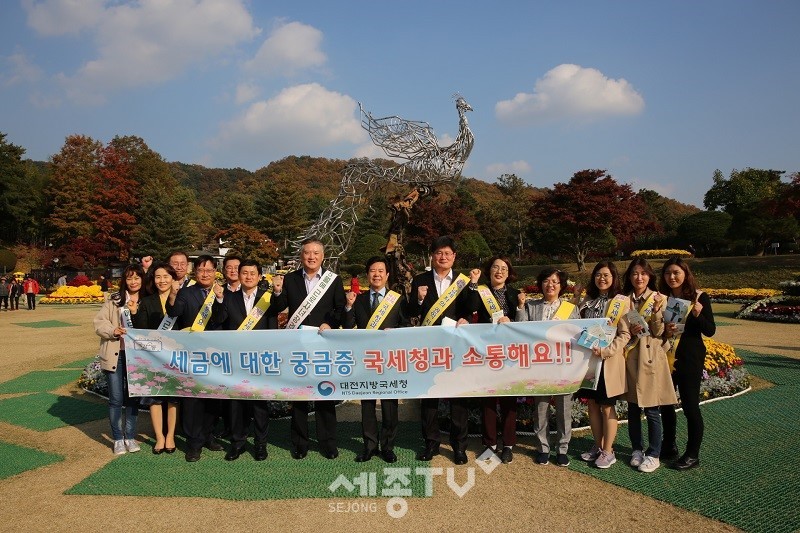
<point>11,290</point>
<point>642,365</point>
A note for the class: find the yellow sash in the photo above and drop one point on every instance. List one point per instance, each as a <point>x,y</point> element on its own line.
<point>564,310</point>
<point>382,311</point>
<point>201,320</point>
<point>255,313</point>
<point>490,303</point>
<point>646,311</point>
<point>615,308</point>
<point>445,300</point>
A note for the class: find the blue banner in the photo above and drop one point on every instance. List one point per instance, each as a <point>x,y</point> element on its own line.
<point>511,359</point>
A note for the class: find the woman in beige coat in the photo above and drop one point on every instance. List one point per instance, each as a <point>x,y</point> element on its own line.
<point>602,292</point>
<point>647,370</point>
<point>110,328</point>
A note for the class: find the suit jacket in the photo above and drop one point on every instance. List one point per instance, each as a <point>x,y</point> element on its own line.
<point>150,314</point>
<point>459,308</point>
<point>361,312</point>
<point>187,304</point>
<point>230,314</point>
<point>329,309</point>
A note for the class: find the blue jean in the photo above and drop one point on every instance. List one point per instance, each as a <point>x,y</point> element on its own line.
<point>118,398</point>
<point>654,430</point>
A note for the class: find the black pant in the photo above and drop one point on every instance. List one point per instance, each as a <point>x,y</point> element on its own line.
<point>688,384</point>
<point>197,419</point>
<point>31,301</point>
<point>15,302</point>
<point>239,413</point>
<point>369,424</point>
<point>4,301</point>
<point>325,419</point>
<point>458,421</point>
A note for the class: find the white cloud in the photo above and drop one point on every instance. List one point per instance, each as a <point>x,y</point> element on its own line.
<point>21,70</point>
<point>515,167</point>
<point>290,48</point>
<point>151,41</point>
<point>571,92</point>
<point>246,92</point>
<point>303,119</point>
<point>63,17</point>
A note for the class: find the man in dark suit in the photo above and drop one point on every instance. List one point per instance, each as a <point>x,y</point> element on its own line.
<point>326,314</point>
<point>230,310</point>
<point>426,288</point>
<point>360,309</point>
<point>184,303</point>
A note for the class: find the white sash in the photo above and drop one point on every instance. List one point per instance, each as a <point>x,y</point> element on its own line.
<point>311,300</point>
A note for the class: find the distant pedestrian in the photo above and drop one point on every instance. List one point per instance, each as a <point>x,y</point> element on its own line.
<point>15,291</point>
<point>5,290</point>
<point>31,288</point>
<point>62,281</point>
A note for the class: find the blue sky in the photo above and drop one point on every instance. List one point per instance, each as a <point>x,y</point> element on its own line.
<point>658,93</point>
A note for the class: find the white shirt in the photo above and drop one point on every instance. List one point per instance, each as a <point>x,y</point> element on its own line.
<point>442,283</point>
<point>249,301</point>
<point>312,281</point>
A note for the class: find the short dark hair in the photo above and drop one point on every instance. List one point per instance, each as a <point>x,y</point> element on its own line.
<point>205,258</point>
<point>310,240</point>
<point>150,282</point>
<point>445,241</point>
<point>487,267</point>
<point>689,287</point>
<point>178,252</point>
<point>232,257</point>
<point>627,285</point>
<point>546,272</point>
<point>376,259</point>
<point>249,263</point>
<point>592,291</point>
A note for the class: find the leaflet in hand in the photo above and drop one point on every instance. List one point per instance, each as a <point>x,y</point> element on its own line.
<point>634,318</point>
<point>676,312</point>
<point>598,335</point>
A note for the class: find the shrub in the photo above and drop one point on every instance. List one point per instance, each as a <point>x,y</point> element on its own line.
<point>660,254</point>
<point>8,260</point>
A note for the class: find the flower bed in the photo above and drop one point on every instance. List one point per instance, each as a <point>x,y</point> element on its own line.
<point>660,254</point>
<point>74,295</point>
<point>775,309</point>
<point>740,295</point>
<point>724,375</point>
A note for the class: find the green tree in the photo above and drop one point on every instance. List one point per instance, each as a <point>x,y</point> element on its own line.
<point>23,206</point>
<point>706,231</point>
<point>280,210</point>
<point>472,249</point>
<point>364,247</point>
<point>752,197</point>
<point>167,221</point>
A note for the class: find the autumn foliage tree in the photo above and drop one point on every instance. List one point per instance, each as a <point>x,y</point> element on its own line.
<point>248,242</point>
<point>590,213</point>
<point>116,199</point>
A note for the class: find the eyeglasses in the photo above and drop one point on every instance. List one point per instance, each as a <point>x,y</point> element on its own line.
<point>205,270</point>
<point>602,276</point>
<point>499,268</point>
<point>551,282</point>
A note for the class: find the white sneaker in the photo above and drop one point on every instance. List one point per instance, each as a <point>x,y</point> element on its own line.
<point>592,454</point>
<point>637,459</point>
<point>606,459</point>
<point>132,445</point>
<point>119,447</point>
<point>649,464</point>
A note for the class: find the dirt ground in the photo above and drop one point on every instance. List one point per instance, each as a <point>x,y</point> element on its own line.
<point>520,496</point>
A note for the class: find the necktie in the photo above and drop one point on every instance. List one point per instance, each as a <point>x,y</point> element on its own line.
<point>205,293</point>
<point>375,297</point>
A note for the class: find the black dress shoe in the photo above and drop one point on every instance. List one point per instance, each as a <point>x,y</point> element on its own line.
<point>234,453</point>
<point>260,452</point>
<point>330,453</point>
<point>459,457</point>
<point>366,455</point>
<point>299,453</point>
<point>389,456</point>
<point>170,450</point>
<point>686,462</point>
<point>192,456</point>
<point>157,451</point>
<point>668,451</point>
<point>430,450</point>
<point>214,446</point>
